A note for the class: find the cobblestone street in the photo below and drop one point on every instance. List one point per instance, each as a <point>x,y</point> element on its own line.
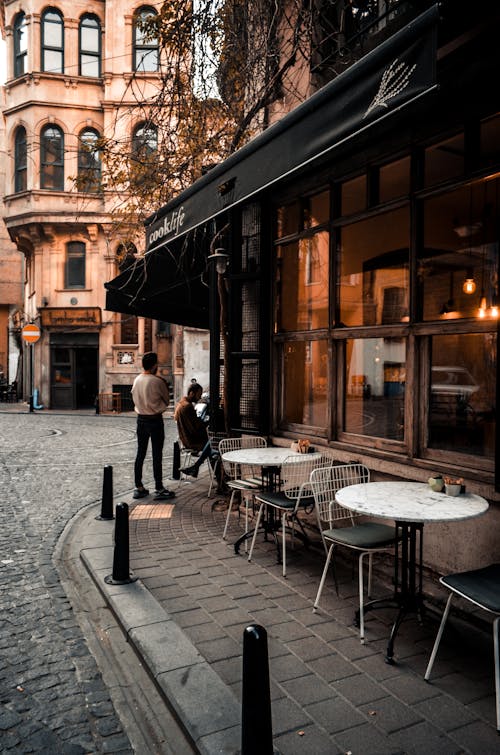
<point>53,698</point>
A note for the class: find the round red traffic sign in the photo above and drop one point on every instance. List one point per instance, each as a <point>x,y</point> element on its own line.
<point>31,333</point>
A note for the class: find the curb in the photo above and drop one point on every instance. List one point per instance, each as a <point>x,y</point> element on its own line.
<point>206,708</point>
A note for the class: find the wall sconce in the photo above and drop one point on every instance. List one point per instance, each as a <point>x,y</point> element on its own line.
<point>221,260</point>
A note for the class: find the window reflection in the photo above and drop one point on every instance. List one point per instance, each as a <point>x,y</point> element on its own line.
<point>460,245</point>
<point>302,272</point>
<point>375,387</point>
<point>444,160</point>
<point>374,270</point>
<point>304,388</point>
<point>462,403</point>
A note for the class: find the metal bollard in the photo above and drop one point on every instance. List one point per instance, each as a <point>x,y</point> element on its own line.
<point>107,494</point>
<point>121,574</point>
<point>256,722</point>
<point>176,462</point>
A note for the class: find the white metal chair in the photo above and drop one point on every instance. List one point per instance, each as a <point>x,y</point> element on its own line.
<point>339,526</point>
<point>215,438</point>
<point>482,588</point>
<point>187,457</point>
<point>239,477</point>
<point>295,495</point>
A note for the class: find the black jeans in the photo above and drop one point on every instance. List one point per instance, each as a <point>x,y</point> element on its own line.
<point>149,427</point>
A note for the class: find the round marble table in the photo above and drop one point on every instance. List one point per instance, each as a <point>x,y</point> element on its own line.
<point>270,460</point>
<point>411,505</point>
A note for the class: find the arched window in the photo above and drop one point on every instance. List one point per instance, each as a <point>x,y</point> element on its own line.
<point>52,158</point>
<point>90,46</point>
<point>20,160</point>
<point>146,53</point>
<point>20,45</point>
<point>129,324</point>
<point>89,161</point>
<point>74,271</point>
<point>144,140</point>
<point>52,41</point>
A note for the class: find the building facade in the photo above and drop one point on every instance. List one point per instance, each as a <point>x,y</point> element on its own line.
<point>77,73</point>
<point>362,237</point>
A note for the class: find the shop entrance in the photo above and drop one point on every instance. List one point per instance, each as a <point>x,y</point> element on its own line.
<point>74,371</point>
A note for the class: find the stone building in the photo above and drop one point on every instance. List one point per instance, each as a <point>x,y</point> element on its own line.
<point>69,73</point>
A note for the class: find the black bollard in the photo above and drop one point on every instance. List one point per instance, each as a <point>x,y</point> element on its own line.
<point>107,494</point>
<point>121,574</point>
<point>176,462</point>
<point>256,722</point>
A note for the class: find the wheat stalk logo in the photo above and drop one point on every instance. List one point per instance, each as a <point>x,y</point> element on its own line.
<point>395,78</point>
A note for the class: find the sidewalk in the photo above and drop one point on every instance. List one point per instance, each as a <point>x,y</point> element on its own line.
<point>330,695</point>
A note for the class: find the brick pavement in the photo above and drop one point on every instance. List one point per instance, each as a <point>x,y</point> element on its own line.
<point>330,694</point>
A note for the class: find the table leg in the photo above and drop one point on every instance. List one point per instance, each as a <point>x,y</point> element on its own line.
<point>407,595</point>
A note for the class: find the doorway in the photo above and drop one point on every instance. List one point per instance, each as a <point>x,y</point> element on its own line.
<point>74,372</point>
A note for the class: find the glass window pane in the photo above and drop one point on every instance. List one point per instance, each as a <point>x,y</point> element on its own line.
<point>304,387</point>
<point>317,210</point>
<point>146,60</point>
<point>52,32</point>
<point>374,270</point>
<point>288,220</point>
<point>90,37</point>
<point>394,180</point>
<point>460,244</point>
<point>353,196</point>
<point>462,394</point>
<point>302,297</point>
<point>61,356</point>
<point>89,65</point>
<point>52,61</point>
<point>444,160</point>
<point>375,387</point>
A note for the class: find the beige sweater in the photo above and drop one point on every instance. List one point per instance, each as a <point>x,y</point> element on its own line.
<point>150,394</point>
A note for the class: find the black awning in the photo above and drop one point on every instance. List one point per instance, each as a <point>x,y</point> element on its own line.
<point>394,74</point>
<point>168,285</point>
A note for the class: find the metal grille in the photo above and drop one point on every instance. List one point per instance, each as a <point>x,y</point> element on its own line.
<point>250,238</point>
<point>250,302</point>
<point>249,399</point>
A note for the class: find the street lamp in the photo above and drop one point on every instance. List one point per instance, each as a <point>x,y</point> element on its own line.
<point>221,260</point>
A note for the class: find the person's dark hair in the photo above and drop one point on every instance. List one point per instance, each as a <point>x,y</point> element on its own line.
<point>149,360</point>
<point>193,387</point>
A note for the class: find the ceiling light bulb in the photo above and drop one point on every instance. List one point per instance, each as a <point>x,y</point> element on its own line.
<point>469,286</point>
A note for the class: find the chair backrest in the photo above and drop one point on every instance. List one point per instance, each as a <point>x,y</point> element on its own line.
<point>325,482</point>
<point>215,439</point>
<point>296,473</point>
<point>232,470</point>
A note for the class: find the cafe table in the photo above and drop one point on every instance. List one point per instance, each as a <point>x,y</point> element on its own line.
<point>270,460</point>
<point>410,505</point>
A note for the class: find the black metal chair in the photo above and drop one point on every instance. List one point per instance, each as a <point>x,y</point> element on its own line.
<point>482,588</point>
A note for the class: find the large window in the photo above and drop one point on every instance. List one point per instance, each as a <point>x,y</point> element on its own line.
<point>145,42</point>
<point>90,46</point>
<point>89,162</point>
<point>374,269</point>
<point>74,272</point>
<point>20,160</point>
<point>20,45</point>
<point>387,304</point>
<point>143,164</point>
<point>462,393</point>
<point>52,41</point>
<point>375,378</point>
<point>52,158</point>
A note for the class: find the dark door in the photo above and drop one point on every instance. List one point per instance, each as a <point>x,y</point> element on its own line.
<point>74,377</point>
<point>86,377</point>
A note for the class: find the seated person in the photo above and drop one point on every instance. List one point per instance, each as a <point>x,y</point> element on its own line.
<point>192,430</point>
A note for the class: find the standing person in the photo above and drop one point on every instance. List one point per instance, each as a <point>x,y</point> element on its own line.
<point>192,430</point>
<point>151,398</point>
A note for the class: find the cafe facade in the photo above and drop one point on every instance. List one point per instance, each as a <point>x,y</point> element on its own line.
<point>346,263</point>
